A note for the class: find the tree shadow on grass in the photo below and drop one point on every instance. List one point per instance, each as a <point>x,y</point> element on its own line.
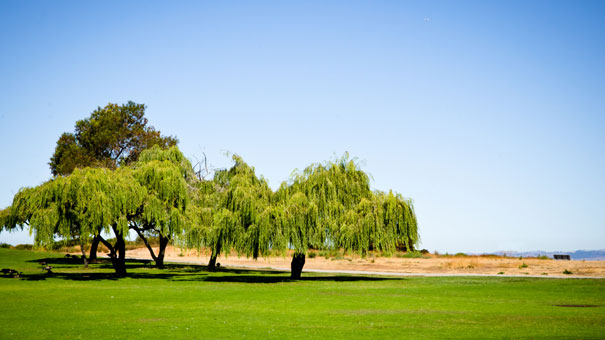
<point>194,273</point>
<point>61,260</point>
<point>278,279</point>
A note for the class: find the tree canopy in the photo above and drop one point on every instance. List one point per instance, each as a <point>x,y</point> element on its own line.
<point>86,203</point>
<point>228,210</point>
<point>117,174</point>
<point>112,136</point>
<point>167,177</point>
<point>326,206</point>
<point>331,205</point>
<point>152,193</point>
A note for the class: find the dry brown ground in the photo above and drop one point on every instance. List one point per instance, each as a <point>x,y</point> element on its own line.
<point>432,265</point>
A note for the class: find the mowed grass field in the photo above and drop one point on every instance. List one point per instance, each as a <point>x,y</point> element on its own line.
<point>186,302</point>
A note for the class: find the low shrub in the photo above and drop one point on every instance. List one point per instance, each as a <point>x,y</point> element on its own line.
<point>524,265</point>
<point>24,247</point>
<point>410,255</point>
<point>567,272</point>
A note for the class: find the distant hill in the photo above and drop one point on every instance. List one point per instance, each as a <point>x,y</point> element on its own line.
<point>589,255</point>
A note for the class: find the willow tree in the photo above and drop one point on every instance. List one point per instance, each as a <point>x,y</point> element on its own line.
<point>228,208</point>
<point>88,202</point>
<point>384,222</point>
<point>330,206</point>
<point>167,177</point>
<point>112,136</point>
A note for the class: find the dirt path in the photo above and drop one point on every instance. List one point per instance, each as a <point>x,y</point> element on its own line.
<point>432,266</point>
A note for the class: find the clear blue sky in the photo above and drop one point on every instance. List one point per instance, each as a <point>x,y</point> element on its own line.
<point>490,115</point>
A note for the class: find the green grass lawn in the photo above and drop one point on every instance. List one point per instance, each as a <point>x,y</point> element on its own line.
<point>185,302</point>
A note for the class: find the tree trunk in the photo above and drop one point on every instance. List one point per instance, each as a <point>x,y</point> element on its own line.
<point>83,255</point>
<point>93,248</point>
<point>216,251</point>
<point>117,253</point>
<point>298,262</point>
<point>159,262</point>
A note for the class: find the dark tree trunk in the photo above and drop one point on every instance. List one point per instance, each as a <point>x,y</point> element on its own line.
<point>84,255</point>
<point>216,251</point>
<point>298,262</point>
<point>159,260</point>
<point>117,253</point>
<point>93,248</point>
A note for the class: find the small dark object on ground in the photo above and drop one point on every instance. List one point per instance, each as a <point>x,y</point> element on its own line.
<point>48,269</point>
<point>576,305</point>
<point>42,263</point>
<point>562,257</point>
<point>67,256</point>
<point>218,265</point>
<point>145,262</point>
<point>11,272</point>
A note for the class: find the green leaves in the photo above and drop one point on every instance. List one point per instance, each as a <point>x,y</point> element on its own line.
<point>325,206</point>
<point>331,205</point>
<point>112,136</point>
<point>91,200</point>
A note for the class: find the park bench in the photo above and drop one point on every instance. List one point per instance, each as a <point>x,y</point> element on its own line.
<point>562,257</point>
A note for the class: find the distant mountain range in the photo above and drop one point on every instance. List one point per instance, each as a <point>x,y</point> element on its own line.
<point>589,255</point>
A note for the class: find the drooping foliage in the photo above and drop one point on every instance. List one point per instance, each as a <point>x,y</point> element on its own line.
<point>168,179</point>
<point>331,205</point>
<point>326,206</point>
<point>229,212</point>
<point>84,204</point>
<point>151,196</point>
<point>385,222</point>
<point>317,199</point>
<point>112,136</point>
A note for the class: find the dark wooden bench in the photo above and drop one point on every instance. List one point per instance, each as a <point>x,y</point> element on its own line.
<point>562,257</point>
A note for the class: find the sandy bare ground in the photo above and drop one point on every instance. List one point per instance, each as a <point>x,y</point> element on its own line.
<point>471,265</point>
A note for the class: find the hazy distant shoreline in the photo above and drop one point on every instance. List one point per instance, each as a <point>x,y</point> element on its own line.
<point>588,255</point>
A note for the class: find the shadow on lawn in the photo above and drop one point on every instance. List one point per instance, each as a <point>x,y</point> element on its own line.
<point>177,272</point>
<point>199,277</point>
<point>278,279</point>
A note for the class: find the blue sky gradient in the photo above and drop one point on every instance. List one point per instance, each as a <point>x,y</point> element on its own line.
<point>490,115</point>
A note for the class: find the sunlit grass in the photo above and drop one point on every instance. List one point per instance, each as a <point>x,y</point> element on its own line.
<point>186,302</point>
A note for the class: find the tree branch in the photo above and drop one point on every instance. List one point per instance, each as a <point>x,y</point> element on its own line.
<point>106,244</point>
<point>140,232</point>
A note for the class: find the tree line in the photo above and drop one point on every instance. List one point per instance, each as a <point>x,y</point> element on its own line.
<point>116,174</point>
